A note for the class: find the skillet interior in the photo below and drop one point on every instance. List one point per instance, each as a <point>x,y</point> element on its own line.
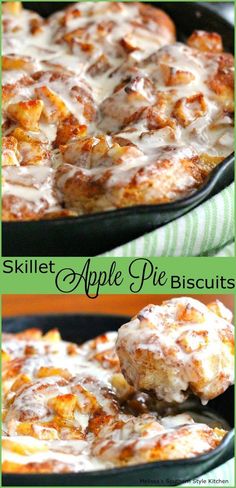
<point>79,328</point>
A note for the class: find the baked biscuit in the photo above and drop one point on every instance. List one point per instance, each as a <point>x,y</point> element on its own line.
<point>178,348</point>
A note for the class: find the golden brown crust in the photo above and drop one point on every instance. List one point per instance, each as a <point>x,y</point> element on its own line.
<point>206,41</point>
<point>150,184</point>
<point>14,208</point>
<point>223,82</point>
<point>123,447</point>
<point>152,14</point>
<point>51,466</point>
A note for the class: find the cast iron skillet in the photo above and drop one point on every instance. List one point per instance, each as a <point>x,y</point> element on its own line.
<point>91,235</point>
<point>79,328</point>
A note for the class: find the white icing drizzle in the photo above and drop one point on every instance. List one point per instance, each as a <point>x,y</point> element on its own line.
<point>83,55</point>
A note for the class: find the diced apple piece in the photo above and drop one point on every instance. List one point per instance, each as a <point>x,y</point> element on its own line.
<point>13,8</point>
<point>64,405</point>
<point>26,113</point>
<point>54,108</point>
<point>52,335</point>
<point>205,41</point>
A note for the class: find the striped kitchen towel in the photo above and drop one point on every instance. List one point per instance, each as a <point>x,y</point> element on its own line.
<point>207,230</point>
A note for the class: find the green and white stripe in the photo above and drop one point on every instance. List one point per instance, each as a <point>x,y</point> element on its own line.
<point>208,230</point>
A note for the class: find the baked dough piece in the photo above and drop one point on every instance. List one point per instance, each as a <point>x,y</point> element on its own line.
<point>53,389</point>
<point>120,441</point>
<point>56,405</point>
<point>104,35</point>
<point>132,178</point>
<point>28,192</point>
<point>179,347</point>
<point>169,126</point>
<point>137,440</point>
<point>181,88</point>
<point>102,351</point>
<point>25,454</point>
